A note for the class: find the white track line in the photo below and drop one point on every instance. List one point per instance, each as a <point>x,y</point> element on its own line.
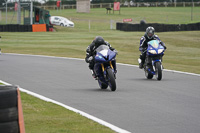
<point>114,128</point>
<point>174,71</point>
<point>167,70</point>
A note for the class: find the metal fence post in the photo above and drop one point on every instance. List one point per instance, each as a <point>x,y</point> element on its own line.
<point>111,24</point>
<point>6,10</point>
<point>89,24</point>
<point>19,13</point>
<point>31,13</point>
<point>192,5</point>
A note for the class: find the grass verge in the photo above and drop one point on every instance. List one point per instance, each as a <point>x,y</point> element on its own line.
<point>45,117</point>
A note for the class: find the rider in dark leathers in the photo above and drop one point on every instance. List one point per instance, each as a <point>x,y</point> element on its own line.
<point>90,53</point>
<point>148,36</point>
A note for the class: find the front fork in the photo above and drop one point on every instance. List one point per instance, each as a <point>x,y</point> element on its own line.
<point>153,64</point>
<point>103,69</point>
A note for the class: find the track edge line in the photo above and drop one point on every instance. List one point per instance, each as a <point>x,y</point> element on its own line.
<point>102,122</point>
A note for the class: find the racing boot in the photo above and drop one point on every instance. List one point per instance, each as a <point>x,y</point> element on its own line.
<point>93,74</point>
<point>141,63</point>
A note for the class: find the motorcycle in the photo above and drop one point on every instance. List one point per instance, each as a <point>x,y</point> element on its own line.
<point>153,62</point>
<point>104,67</point>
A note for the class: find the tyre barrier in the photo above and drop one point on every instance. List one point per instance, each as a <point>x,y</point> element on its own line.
<point>11,115</point>
<point>158,27</point>
<point>18,28</point>
<point>15,28</point>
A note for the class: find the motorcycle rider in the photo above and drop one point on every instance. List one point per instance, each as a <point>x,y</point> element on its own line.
<point>148,36</point>
<point>90,53</point>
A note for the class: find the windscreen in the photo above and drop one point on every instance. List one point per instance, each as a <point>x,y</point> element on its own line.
<point>102,47</point>
<point>154,43</point>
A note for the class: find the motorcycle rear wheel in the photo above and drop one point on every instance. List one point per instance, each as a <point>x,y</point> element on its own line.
<point>111,79</point>
<point>148,74</point>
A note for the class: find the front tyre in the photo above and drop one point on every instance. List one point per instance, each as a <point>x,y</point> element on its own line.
<point>111,79</point>
<point>158,71</point>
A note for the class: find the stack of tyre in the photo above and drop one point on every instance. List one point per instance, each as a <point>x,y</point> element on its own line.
<point>159,27</point>
<point>9,110</point>
<point>15,28</point>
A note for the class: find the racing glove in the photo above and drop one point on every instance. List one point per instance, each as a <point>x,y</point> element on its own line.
<point>90,59</point>
<point>115,51</point>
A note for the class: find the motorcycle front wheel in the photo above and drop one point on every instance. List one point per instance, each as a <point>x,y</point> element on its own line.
<point>158,71</point>
<point>111,79</point>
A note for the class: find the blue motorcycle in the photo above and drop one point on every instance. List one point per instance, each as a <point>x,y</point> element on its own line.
<point>105,67</point>
<point>153,62</point>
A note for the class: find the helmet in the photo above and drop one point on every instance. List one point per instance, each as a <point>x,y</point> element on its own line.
<point>150,32</point>
<point>99,40</point>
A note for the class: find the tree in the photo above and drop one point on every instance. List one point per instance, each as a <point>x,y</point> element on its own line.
<point>102,1</point>
<point>53,2</point>
<point>1,2</point>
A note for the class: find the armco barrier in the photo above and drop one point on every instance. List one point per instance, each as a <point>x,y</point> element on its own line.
<point>11,115</point>
<point>158,27</point>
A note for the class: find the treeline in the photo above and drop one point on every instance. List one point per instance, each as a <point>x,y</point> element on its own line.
<point>67,2</point>
<point>64,2</point>
<point>163,0</point>
<point>111,1</point>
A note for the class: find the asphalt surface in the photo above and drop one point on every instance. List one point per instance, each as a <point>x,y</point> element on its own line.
<point>171,105</point>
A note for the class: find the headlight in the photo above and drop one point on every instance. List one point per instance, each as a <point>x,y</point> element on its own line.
<point>99,56</point>
<point>152,51</point>
<point>160,51</point>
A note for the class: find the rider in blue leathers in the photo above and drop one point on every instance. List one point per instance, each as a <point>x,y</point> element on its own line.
<point>148,36</point>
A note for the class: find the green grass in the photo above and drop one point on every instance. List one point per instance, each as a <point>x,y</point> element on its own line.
<point>100,20</point>
<point>171,15</point>
<point>45,117</point>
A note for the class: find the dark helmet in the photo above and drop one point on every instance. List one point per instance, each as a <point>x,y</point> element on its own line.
<point>150,32</point>
<point>99,40</point>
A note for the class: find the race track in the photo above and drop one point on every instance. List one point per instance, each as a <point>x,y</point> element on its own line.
<point>171,105</point>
